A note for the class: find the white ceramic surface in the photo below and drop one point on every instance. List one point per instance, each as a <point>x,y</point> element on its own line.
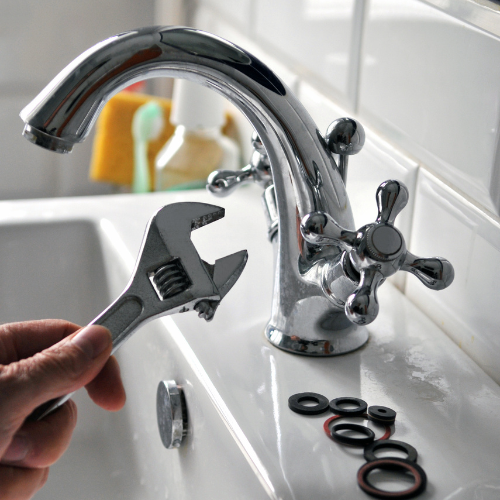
<point>446,224</point>
<point>243,441</point>
<point>376,163</point>
<point>30,24</point>
<point>430,83</point>
<point>67,255</point>
<point>484,14</point>
<point>313,36</point>
<point>236,11</point>
<point>208,20</point>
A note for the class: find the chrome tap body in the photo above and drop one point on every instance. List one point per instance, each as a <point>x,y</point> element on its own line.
<point>305,176</point>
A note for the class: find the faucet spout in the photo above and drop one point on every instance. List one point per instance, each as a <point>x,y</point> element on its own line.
<point>305,175</point>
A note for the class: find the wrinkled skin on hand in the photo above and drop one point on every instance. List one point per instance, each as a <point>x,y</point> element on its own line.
<point>39,361</point>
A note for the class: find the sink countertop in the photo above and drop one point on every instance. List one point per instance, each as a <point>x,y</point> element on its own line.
<point>447,407</point>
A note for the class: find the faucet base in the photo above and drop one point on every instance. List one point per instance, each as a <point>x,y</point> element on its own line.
<point>315,327</point>
<point>340,342</point>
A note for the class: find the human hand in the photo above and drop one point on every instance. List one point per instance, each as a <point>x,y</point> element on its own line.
<point>39,361</point>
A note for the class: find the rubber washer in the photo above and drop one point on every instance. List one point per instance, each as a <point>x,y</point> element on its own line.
<point>382,414</point>
<point>370,450</point>
<point>341,438</point>
<point>328,421</point>
<point>393,464</point>
<point>348,412</point>
<point>294,403</point>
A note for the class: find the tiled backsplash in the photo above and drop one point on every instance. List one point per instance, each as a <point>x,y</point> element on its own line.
<point>445,224</point>
<point>316,35</point>
<point>427,89</point>
<point>431,83</point>
<point>425,84</point>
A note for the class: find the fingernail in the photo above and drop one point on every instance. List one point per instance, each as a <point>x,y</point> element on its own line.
<point>93,340</point>
<point>17,450</point>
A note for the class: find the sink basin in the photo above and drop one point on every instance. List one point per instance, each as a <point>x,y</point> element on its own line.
<point>53,270</point>
<point>70,258</point>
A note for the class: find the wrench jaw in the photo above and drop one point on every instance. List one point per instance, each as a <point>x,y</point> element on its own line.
<point>170,276</point>
<point>225,273</point>
<point>206,309</point>
<point>179,219</point>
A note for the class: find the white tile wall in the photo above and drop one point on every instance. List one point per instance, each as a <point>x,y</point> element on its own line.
<point>431,83</point>
<point>445,224</point>
<point>376,163</point>
<point>235,11</point>
<point>315,37</point>
<point>39,37</point>
<point>210,21</point>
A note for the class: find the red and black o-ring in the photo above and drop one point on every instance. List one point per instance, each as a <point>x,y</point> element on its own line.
<point>394,464</point>
<point>397,465</point>
<point>333,434</point>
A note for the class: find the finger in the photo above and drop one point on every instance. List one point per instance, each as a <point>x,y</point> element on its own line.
<point>106,389</point>
<point>56,371</point>
<point>24,339</point>
<point>17,483</point>
<point>40,444</point>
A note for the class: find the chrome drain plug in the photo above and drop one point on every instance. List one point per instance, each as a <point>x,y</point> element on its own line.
<point>171,413</point>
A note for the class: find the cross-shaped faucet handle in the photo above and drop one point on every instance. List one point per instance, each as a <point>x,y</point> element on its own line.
<point>376,251</point>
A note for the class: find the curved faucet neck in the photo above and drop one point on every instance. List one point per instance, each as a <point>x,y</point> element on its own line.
<point>305,175</point>
<point>66,109</point>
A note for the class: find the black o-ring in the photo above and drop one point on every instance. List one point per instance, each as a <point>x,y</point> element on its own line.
<point>341,438</point>
<point>370,450</point>
<point>393,464</point>
<point>348,412</point>
<point>382,413</point>
<point>295,400</point>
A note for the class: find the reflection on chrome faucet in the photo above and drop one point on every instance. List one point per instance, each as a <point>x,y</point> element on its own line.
<point>320,260</point>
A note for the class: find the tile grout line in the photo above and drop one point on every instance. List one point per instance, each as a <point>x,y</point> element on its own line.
<point>356,53</point>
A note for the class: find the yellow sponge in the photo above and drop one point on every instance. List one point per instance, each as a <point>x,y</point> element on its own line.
<point>113,150</point>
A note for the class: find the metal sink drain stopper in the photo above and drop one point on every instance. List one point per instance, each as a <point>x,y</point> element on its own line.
<point>171,413</point>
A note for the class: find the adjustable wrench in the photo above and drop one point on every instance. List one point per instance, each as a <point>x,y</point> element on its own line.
<point>169,278</point>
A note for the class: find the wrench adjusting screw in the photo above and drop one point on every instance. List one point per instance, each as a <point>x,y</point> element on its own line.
<point>170,279</point>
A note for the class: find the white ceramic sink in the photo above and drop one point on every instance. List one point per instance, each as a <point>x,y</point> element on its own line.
<point>53,269</point>
<point>70,258</point>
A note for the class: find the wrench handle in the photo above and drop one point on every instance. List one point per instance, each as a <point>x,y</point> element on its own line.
<point>121,318</point>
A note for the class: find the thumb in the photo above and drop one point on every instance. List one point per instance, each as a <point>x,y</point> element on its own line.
<point>56,371</point>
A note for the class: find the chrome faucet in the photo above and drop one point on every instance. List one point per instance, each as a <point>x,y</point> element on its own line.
<point>326,272</point>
